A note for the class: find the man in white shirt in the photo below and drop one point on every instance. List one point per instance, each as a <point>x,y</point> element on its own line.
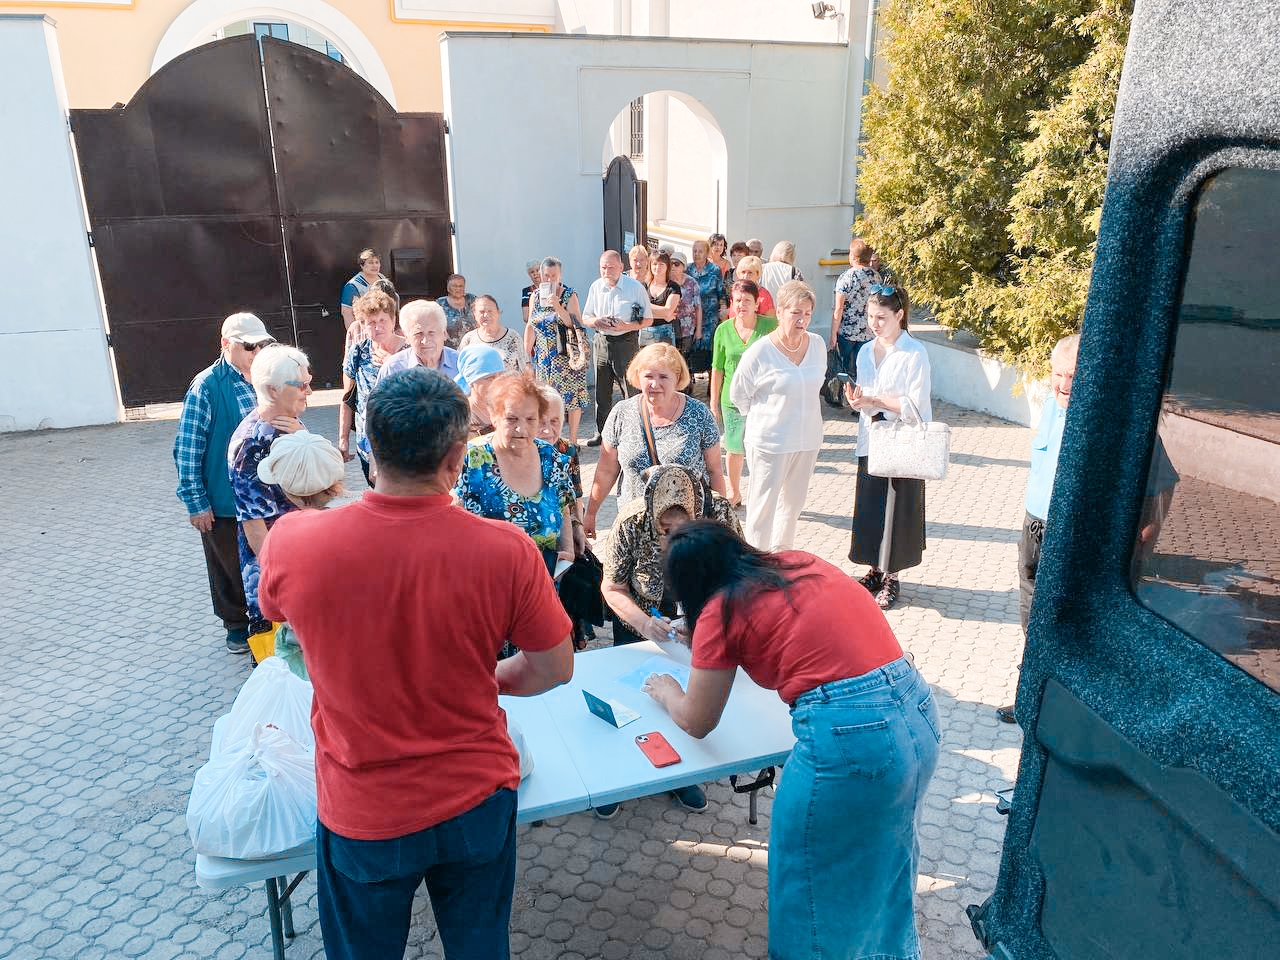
<point>617,308</point>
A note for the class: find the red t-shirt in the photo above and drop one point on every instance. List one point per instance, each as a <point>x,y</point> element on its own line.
<point>401,605</point>
<point>831,629</point>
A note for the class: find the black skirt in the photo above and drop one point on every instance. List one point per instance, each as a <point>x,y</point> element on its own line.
<point>906,547</point>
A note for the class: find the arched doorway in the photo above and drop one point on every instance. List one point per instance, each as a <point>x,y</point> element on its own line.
<point>678,149</point>
<point>317,23</point>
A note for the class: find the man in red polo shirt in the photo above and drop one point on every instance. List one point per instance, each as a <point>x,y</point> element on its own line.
<point>416,775</point>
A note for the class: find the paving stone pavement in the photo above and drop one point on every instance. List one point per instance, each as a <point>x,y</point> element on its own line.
<point>114,670</point>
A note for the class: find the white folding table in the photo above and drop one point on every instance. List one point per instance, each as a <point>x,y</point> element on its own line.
<point>754,732</point>
<point>580,761</point>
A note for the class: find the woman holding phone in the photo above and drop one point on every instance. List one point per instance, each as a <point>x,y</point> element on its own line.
<point>892,375</point>
<point>842,842</point>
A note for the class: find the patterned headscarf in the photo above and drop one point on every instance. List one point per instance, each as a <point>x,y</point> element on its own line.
<point>667,486</point>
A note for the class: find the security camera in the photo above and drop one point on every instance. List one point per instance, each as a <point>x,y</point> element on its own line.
<point>822,10</point>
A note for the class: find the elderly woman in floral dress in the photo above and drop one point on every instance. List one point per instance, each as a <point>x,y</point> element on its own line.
<point>557,342</point>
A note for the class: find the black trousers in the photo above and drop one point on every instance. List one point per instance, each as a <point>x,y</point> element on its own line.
<point>226,587</point>
<point>1028,563</point>
<point>613,355</point>
<point>871,516</point>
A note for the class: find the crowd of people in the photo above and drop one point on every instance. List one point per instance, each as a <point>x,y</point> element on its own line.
<point>459,421</point>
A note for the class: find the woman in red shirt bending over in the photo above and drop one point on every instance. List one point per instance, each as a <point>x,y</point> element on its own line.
<point>842,844</point>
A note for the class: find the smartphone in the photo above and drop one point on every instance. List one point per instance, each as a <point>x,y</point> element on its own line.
<point>544,289</point>
<point>842,377</point>
<point>655,747</point>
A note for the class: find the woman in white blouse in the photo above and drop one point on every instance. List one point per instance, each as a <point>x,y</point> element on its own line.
<point>776,388</point>
<point>888,515</point>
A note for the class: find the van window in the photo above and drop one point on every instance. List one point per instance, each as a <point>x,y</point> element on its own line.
<point>1207,557</point>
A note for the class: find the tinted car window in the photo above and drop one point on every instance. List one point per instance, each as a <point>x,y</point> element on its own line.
<point>1208,552</point>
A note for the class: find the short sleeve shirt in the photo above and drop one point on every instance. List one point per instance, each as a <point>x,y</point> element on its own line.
<point>632,555</point>
<point>825,627</point>
<point>460,322</point>
<point>355,287</point>
<point>255,498</point>
<point>408,728</point>
<point>361,367</point>
<point>482,491</point>
<point>624,299</point>
<point>683,441</point>
<point>855,283</point>
<point>510,345</point>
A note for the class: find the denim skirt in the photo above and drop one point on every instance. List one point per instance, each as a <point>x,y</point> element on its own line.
<point>842,842</point>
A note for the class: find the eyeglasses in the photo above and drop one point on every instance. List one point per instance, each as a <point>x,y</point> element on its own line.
<point>883,290</point>
<point>251,347</point>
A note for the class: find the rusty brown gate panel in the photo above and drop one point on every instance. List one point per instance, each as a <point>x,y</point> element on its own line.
<point>185,215</point>
<point>354,173</point>
<point>211,193</point>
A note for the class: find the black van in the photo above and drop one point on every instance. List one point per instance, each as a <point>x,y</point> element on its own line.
<point>1146,818</point>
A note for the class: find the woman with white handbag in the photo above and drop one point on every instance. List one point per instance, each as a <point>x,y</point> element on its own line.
<point>892,384</point>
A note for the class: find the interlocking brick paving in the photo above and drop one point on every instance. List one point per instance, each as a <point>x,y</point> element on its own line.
<point>115,670</point>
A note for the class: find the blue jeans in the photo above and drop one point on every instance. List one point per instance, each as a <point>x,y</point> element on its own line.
<point>366,887</point>
<point>848,350</point>
<point>842,844</point>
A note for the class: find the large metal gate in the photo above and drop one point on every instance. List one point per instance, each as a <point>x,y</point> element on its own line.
<point>247,177</point>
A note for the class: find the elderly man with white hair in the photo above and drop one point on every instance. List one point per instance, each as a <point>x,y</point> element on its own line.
<point>281,378</point>
<point>217,400</point>
<point>425,326</point>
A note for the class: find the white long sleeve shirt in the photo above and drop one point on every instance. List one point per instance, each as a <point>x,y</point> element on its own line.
<point>904,372</point>
<point>779,398</point>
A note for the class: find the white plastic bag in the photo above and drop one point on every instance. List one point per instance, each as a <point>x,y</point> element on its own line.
<point>522,747</point>
<point>255,802</point>
<point>271,695</point>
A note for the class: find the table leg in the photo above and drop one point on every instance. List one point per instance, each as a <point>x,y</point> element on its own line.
<point>762,780</point>
<point>273,914</point>
<point>286,907</point>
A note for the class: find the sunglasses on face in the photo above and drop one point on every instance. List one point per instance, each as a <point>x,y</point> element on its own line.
<point>251,347</point>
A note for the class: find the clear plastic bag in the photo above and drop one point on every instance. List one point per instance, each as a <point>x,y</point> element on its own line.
<point>271,695</point>
<point>254,802</point>
<point>522,747</point>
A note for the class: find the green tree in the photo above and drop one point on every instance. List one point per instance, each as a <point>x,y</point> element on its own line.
<point>985,159</point>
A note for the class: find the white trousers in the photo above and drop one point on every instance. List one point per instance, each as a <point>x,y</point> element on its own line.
<point>779,485</point>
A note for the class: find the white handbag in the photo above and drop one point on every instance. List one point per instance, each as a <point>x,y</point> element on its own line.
<point>908,447</point>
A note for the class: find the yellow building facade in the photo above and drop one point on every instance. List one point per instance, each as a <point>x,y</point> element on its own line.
<point>110,47</point>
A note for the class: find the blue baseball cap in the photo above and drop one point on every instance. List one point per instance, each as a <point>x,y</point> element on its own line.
<point>475,362</point>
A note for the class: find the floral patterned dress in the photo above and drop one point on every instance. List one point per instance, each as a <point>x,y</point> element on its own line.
<point>255,500</point>
<point>711,289</point>
<point>482,491</point>
<point>460,322</point>
<point>550,361</point>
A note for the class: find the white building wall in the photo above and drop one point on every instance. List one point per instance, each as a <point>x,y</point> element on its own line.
<point>780,108</point>
<point>55,369</point>
<point>688,194</point>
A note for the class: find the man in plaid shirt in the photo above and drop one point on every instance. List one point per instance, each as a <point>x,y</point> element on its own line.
<point>219,397</point>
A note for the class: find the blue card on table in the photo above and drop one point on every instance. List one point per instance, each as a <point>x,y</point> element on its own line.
<point>611,711</point>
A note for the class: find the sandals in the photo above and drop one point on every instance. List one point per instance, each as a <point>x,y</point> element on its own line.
<point>872,579</point>
<point>887,595</point>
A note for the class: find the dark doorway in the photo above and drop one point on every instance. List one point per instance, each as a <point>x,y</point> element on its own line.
<point>626,202</point>
<point>247,175</point>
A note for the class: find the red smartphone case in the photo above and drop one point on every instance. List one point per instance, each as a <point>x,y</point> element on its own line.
<point>657,749</point>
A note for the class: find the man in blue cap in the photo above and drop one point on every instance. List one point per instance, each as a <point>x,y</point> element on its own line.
<point>477,366</point>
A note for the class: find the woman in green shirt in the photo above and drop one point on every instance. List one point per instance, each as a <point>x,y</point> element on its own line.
<point>731,341</point>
